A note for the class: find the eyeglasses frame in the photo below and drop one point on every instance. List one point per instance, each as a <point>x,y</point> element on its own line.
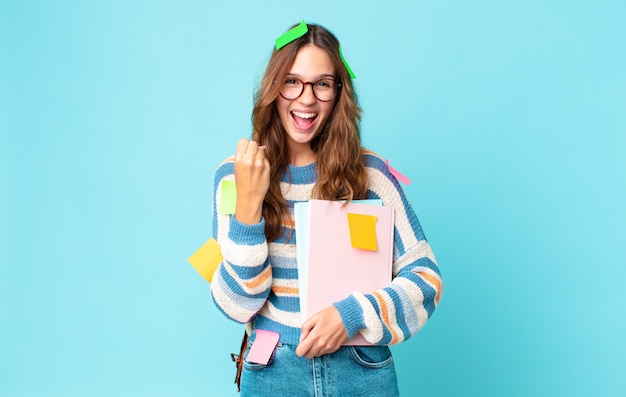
<point>304,83</point>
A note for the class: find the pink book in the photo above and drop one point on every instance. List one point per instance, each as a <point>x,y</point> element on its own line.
<point>330,267</point>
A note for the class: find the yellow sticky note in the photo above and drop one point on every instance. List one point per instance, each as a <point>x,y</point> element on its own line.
<point>228,197</point>
<point>207,259</point>
<point>363,231</point>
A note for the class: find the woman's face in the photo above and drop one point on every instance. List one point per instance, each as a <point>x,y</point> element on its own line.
<point>304,117</point>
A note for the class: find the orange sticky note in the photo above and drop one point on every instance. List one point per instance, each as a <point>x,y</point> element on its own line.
<point>363,231</point>
<point>228,197</point>
<point>207,259</point>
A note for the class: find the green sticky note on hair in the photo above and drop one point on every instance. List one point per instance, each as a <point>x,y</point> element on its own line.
<point>228,197</point>
<point>346,63</point>
<point>291,35</point>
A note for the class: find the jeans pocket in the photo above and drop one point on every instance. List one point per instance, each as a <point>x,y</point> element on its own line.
<point>372,356</point>
<point>254,366</point>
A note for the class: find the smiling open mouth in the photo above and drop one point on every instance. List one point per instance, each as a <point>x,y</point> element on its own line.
<point>303,121</point>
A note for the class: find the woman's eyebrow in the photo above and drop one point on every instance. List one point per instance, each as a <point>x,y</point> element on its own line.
<point>321,76</point>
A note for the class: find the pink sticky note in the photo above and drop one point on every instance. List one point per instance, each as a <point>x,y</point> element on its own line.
<point>397,174</point>
<point>263,346</point>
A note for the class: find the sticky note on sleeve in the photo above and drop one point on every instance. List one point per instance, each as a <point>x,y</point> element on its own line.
<point>397,174</point>
<point>363,231</point>
<point>228,197</point>
<point>207,259</point>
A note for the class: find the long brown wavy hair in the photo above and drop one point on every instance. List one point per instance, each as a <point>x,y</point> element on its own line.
<point>338,151</point>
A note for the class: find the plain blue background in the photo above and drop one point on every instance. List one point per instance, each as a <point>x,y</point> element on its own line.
<point>510,117</point>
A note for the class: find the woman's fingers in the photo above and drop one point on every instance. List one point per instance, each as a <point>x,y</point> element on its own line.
<point>252,175</point>
<point>323,333</point>
<point>242,149</point>
<point>252,149</point>
<point>251,153</point>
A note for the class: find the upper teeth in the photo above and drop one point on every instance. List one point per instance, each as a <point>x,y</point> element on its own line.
<point>305,115</point>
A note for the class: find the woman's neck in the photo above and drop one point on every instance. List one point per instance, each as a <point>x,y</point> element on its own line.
<point>302,155</point>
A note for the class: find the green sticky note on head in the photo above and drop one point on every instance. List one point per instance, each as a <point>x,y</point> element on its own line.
<point>291,35</point>
<point>228,197</point>
<point>363,231</point>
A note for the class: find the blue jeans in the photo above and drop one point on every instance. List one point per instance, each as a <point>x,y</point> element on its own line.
<point>350,371</point>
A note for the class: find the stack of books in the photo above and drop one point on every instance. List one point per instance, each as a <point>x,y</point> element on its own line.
<point>342,248</point>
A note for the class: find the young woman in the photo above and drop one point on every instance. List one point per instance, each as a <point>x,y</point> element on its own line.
<point>305,145</point>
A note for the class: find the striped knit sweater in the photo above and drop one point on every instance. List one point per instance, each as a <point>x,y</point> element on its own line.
<point>258,280</point>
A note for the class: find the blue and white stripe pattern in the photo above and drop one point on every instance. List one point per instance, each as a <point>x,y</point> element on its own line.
<point>258,280</point>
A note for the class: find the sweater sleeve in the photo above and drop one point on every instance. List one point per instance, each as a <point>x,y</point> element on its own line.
<point>242,282</point>
<point>397,312</point>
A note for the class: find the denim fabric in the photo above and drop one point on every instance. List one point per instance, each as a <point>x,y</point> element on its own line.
<point>350,371</point>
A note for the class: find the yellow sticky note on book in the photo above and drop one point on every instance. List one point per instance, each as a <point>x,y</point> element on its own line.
<point>207,259</point>
<point>363,231</point>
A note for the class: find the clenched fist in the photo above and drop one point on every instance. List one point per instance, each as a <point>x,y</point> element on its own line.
<point>252,177</point>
